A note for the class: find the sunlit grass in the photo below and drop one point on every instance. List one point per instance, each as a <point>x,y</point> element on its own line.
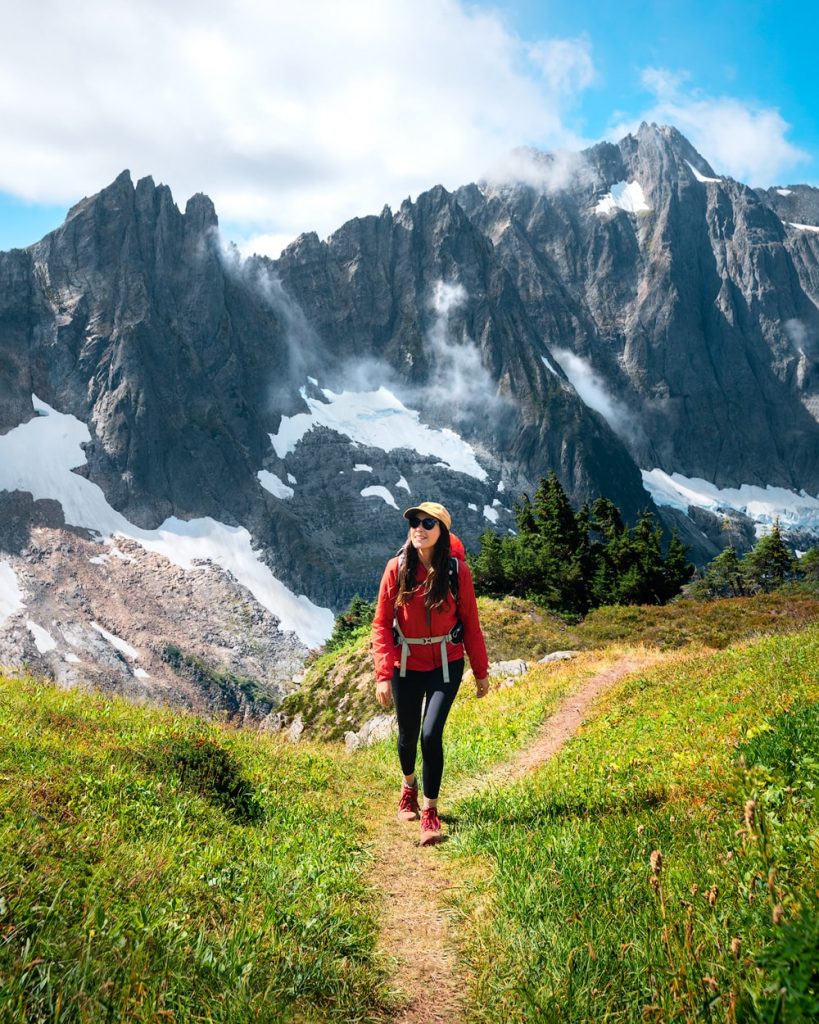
<point>577,926</point>
<point>154,867</point>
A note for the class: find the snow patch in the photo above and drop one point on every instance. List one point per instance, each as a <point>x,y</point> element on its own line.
<point>763,505</point>
<point>38,457</point>
<point>278,488</point>
<point>376,419</point>
<point>624,195</point>
<point>379,492</point>
<point>140,673</point>
<point>549,366</point>
<point>785,191</point>
<point>43,640</point>
<point>291,479</point>
<point>700,176</point>
<point>11,596</point>
<point>802,227</point>
<point>403,483</point>
<point>473,507</point>
<point>501,487</point>
<point>70,656</point>
<point>116,641</point>
<point>490,514</point>
<point>99,559</point>
<point>362,467</point>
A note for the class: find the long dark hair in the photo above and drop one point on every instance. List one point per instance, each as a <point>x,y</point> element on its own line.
<point>436,585</point>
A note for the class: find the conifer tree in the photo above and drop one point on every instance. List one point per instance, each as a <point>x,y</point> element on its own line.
<point>724,576</point>
<point>808,566</point>
<point>524,517</point>
<point>488,571</point>
<point>677,570</point>
<point>770,563</point>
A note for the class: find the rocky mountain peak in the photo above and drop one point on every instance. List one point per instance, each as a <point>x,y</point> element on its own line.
<point>599,314</point>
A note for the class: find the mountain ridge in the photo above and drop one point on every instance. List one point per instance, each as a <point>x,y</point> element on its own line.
<point>611,315</point>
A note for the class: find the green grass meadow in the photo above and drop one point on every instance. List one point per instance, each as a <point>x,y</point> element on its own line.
<point>154,867</point>
<point>713,762</point>
<point>158,868</point>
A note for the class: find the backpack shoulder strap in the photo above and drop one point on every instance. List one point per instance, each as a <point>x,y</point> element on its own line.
<point>453,576</point>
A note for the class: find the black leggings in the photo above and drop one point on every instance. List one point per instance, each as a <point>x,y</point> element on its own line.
<point>408,695</point>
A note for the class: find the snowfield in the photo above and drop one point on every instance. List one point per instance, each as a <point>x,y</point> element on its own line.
<point>700,176</point>
<point>39,456</point>
<point>761,504</point>
<point>272,483</point>
<point>376,491</point>
<point>624,195</point>
<point>376,419</point>
<point>11,597</point>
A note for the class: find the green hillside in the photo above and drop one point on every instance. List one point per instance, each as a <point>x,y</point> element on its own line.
<point>157,868</point>
<point>154,867</point>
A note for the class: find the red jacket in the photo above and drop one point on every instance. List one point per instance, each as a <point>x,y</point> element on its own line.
<point>412,618</point>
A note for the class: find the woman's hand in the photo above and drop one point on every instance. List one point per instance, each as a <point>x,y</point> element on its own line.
<point>481,687</point>
<point>383,692</point>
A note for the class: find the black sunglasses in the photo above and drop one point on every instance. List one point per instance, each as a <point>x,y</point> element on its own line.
<point>427,523</point>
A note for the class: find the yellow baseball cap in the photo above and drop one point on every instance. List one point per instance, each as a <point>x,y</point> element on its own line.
<point>431,508</point>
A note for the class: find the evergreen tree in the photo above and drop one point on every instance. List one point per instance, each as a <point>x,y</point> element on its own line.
<point>770,564</point>
<point>724,576</point>
<point>808,566</point>
<point>554,547</point>
<point>641,578</point>
<point>581,568</point>
<point>524,516</point>
<point>606,518</point>
<point>677,569</point>
<point>488,570</point>
<point>359,613</point>
<point>609,555</point>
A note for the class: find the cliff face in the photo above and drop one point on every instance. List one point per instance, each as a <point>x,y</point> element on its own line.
<point>626,309</point>
<point>690,309</point>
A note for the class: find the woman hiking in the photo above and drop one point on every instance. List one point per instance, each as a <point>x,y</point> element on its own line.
<point>426,615</point>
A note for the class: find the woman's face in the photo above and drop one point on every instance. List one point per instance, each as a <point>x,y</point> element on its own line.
<point>423,537</point>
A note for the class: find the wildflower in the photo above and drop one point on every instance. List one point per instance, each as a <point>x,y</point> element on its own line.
<point>736,946</point>
<point>778,913</point>
<point>750,811</point>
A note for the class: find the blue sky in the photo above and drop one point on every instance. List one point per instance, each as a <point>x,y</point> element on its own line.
<point>296,119</point>
<point>759,53</point>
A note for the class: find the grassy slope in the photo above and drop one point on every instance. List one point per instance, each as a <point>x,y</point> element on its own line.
<point>515,628</point>
<point>337,692</point>
<point>141,876</point>
<point>576,931</point>
<point>153,867</point>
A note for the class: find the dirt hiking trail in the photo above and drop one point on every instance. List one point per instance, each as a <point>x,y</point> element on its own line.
<point>413,879</point>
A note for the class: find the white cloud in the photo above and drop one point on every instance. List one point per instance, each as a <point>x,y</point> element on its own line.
<point>743,139</point>
<point>566,64</point>
<point>545,172</point>
<point>291,117</point>
<point>594,393</point>
<point>460,386</point>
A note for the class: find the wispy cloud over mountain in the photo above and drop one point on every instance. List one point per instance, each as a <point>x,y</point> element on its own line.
<point>744,139</point>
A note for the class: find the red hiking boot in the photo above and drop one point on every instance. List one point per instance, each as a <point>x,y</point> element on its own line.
<point>430,826</point>
<point>408,804</point>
